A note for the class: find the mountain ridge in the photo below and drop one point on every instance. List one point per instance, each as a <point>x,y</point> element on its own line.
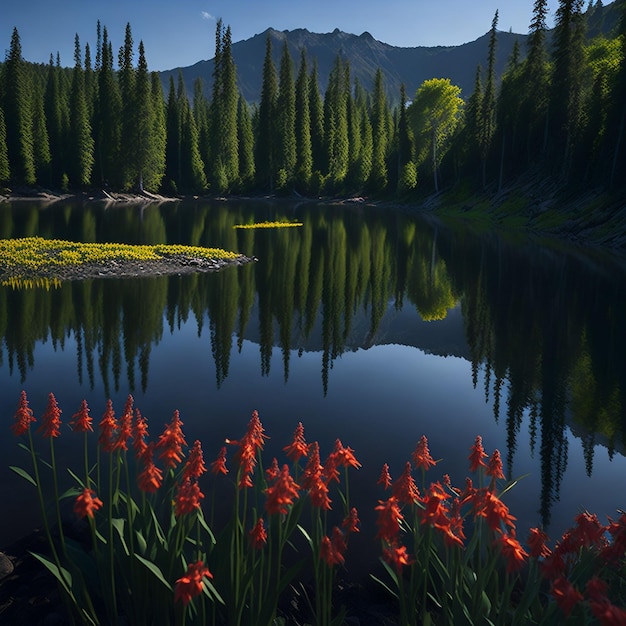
<point>408,65</point>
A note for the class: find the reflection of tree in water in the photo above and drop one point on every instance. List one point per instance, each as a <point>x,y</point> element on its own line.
<point>529,314</point>
<point>544,328</point>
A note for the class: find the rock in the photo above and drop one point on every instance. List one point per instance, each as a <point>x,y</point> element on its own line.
<point>6,566</point>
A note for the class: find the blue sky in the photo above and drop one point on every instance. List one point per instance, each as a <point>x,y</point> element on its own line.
<point>182,32</point>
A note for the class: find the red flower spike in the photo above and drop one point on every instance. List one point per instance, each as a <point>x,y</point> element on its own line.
<point>589,531</point>
<point>351,522</point>
<point>494,468</point>
<point>191,583</point>
<point>565,594</point>
<point>151,477</point>
<point>272,472</point>
<point>389,518</point>
<point>537,543</point>
<point>313,469</point>
<point>421,455</point>
<point>195,467</point>
<point>318,492</point>
<point>298,448</point>
<point>330,469</point>
<point>23,417</point>
<point>329,553</point>
<point>108,427</point>
<point>404,489</point>
<point>608,614</point>
<point>397,556</point>
<point>512,551</point>
<point>171,442</point>
<point>81,421</point>
<point>596,589</point>
<point>86,503</point>
<point>51,419</point>
<point>219,465</point>
<point>385,477</point>
<point>140,433</point>
<point>187,497</point>
<point>258,535</point>
<point>125,426</point>
<point>477,454</point>
<point>344,456</point>
<point>282,493</point>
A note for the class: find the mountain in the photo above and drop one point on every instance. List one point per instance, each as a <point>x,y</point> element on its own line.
<point>410,66</point>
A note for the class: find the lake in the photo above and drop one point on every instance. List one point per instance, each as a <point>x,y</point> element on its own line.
<point>366,325</point>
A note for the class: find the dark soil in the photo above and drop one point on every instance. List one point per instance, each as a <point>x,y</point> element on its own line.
<point>29,595</point>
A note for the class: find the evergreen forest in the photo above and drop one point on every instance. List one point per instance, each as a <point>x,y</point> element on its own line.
<point>559,109</point>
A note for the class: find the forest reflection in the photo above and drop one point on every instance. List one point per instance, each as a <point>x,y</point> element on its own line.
<point>544,326</point>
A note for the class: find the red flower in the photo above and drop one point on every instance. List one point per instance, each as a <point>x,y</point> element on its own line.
<point>258,535</point>
<point>151,477</point>
<point>125,430</point>
<point>187,497</point>
<point>537,544</point>
<point>494,511</point>
<point>589,531</point>
<point>350,523</point>
<point>494,469</point>
<point>477,454</point>
<point>553,566</point>
<point>86,504</point>
<point>298,447</point>
<point>23,416</point>
<point>171,442</point>
<point>421,455</point>
<point>313,469</point>
<point>329,470</point>
<point>318,492</point>
<point>332,551</point>
<point>512,551</point>
<point>435,513</point>
<point>81,421</point>
<point>219,465</point>
<point>191,583</point>
<point>282,493</point>
<point>608,614</point>
<point>389,518</point>
<point>404,489</point>
<point>617,549</point>
<point>565,594</point>
<point>108,426</point>
<point>51,420</point>
<point>397,556</point>
<point>250,444</point>
<point>194,467</point>
<point>385,477</point>
<point>596,589</point>
<point>271,473</point>
<point>344,456</point>
<point>140,432</point>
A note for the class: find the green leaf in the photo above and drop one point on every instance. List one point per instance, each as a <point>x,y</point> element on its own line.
<point>210,591</point>
<point>206,527</point>
<point>142,544</point>
<point>24,474</point>
<point>306,535</point>
<point>152,567</point>
<point>118,524</point>
<point>384,585</point>
<point>77,478</point>
<point>60,573</point>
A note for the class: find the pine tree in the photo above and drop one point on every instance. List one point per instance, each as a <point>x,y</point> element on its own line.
<point>41,145</point>
<point>5,172</point>
<point>126,78</point>
<point>192,176</point>
<point>265,147</point>
<point>81,142</point>
<point>54,121</point>
<point>316,111</point>
<point>107,120</point>
<point>488,109</point>
<point>405,142</point>
<point>246,145</point>
<point>173,171</point>
<point>380,136</point>
<point>159,134</point>
<point>286,118</point>
<point>18,114</point>
<point>304,153</point>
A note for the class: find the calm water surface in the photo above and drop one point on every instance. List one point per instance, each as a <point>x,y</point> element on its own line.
<point>367,326</point>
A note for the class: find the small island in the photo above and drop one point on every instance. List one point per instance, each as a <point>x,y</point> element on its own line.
<point>54,260</point>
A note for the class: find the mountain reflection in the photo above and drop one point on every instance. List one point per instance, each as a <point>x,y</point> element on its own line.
<point>543,328</point>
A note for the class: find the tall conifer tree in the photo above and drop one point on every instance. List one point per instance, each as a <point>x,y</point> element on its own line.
<point>81,140</point>
<point>286,117</point>
<point>5,171</point>
<point>126,78</point>
<point>54,121</point>
<point>380,136</point>
<point>316,111</point>
<point>265,147</point>
<point>246,145</point>
<point>488,104</point>
<point>18,114</point>
<point>304,153</point>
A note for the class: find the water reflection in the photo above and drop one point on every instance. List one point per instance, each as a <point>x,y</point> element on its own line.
<point>543,328</point>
